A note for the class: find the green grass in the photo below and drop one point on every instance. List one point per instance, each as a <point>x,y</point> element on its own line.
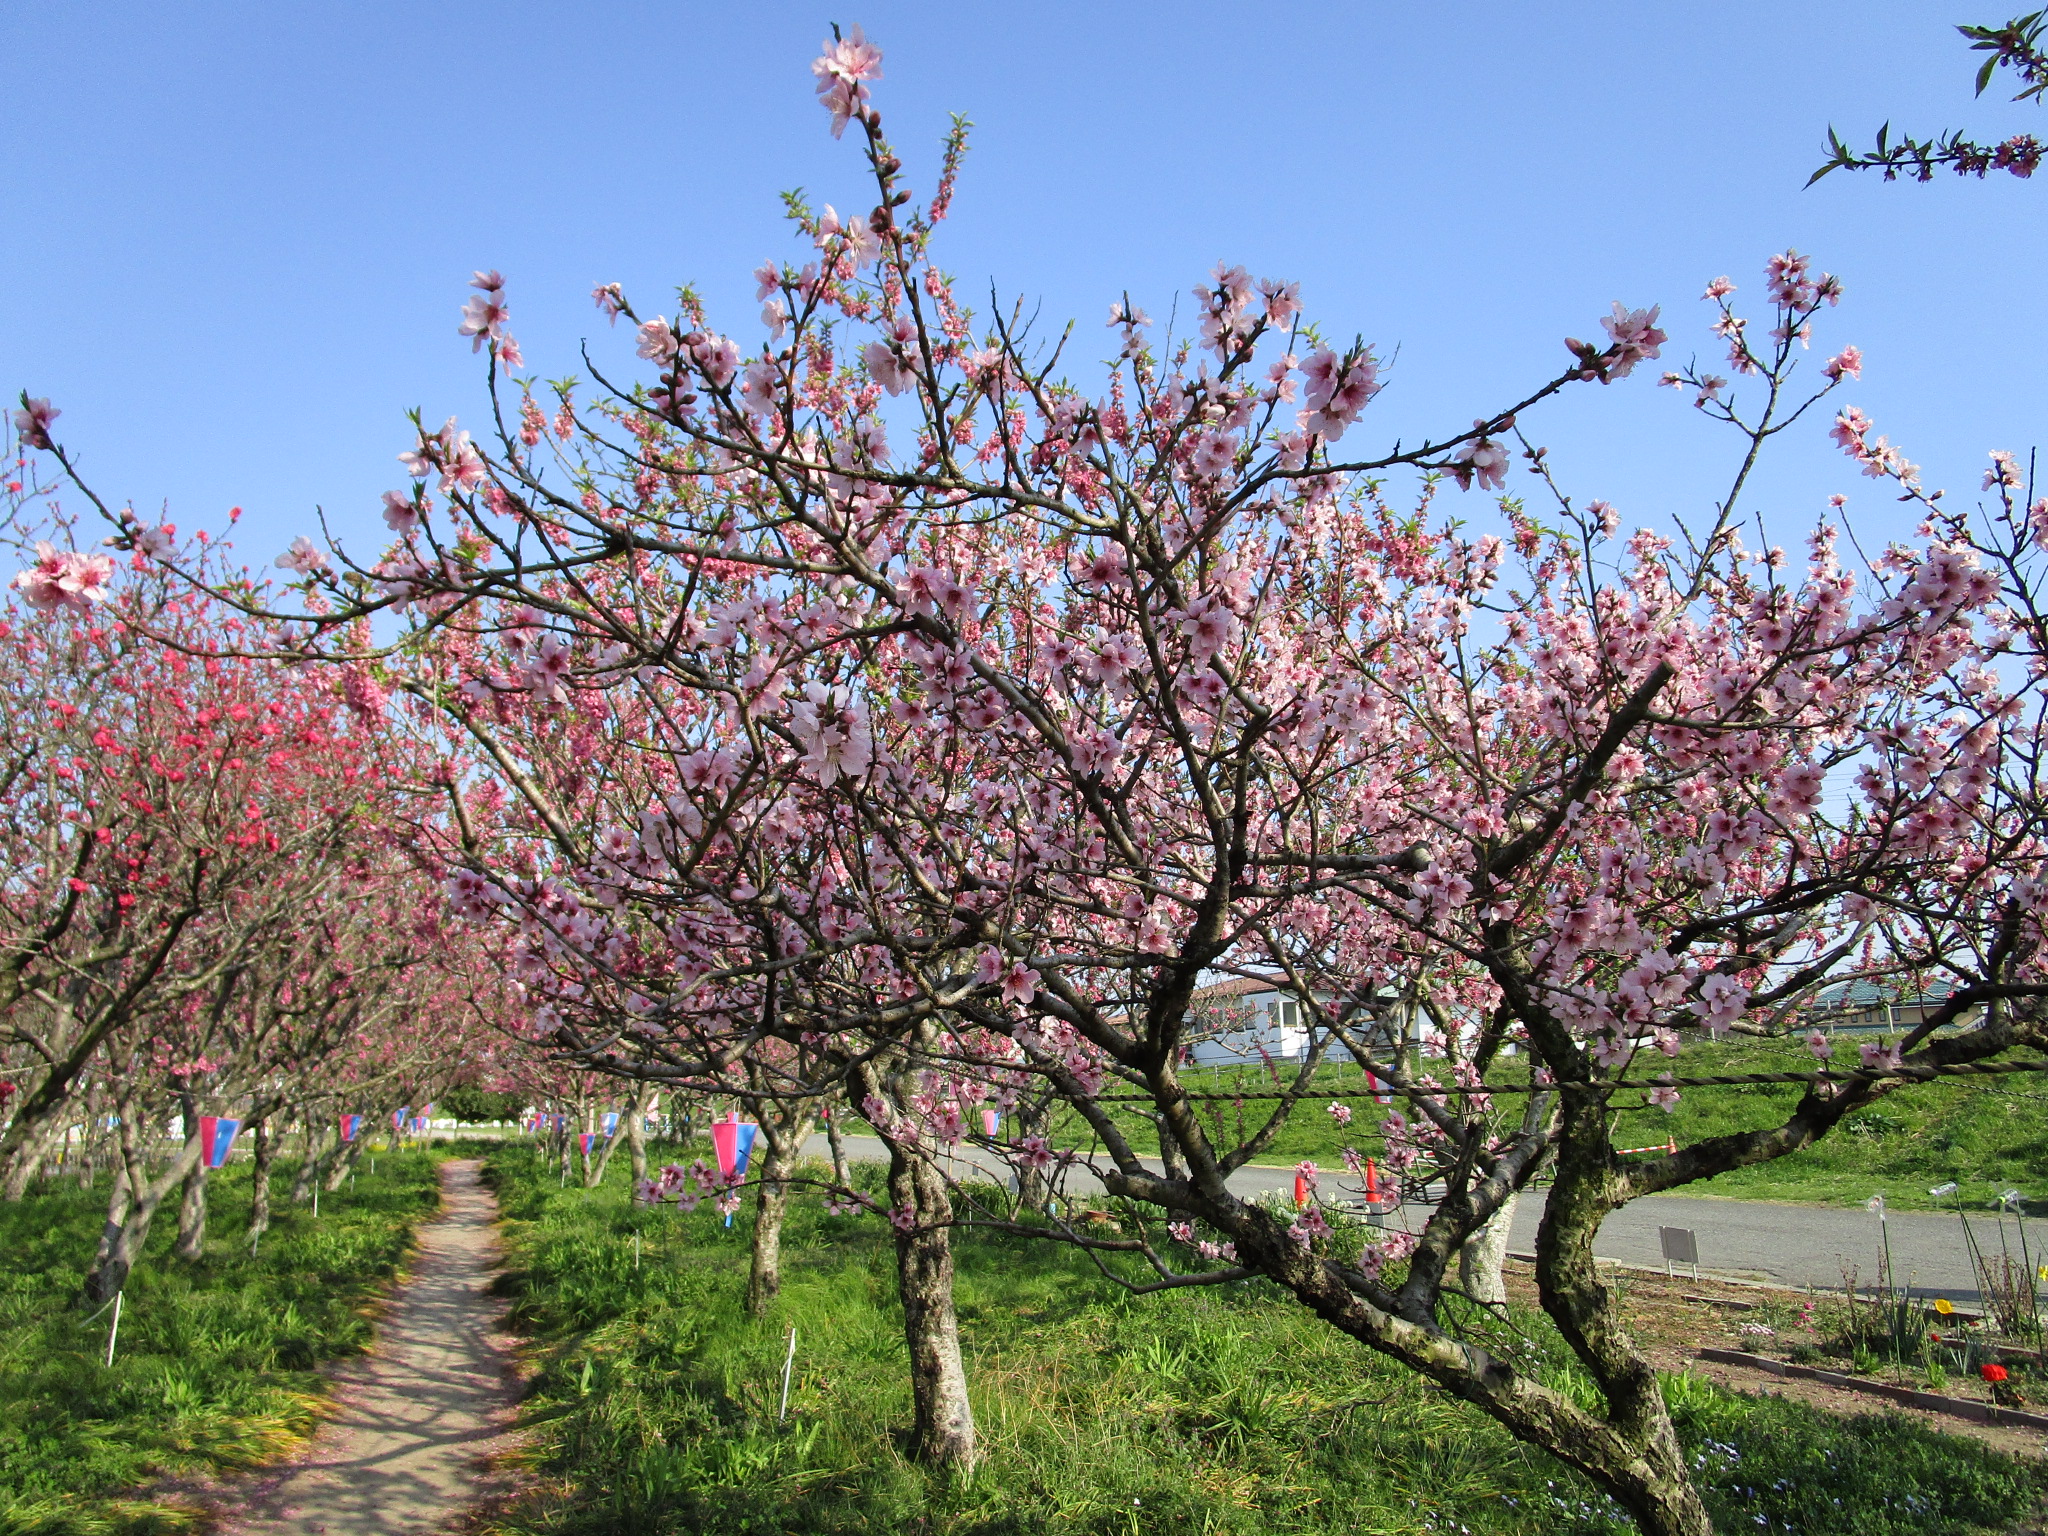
<point>1226,1411</point>
<point>215,1366</point>
<point>1987,1134</point>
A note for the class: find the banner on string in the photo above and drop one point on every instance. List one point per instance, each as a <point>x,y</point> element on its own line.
<point>351,1126</point>
<point>216,1135</point>
<point>733,1140</point>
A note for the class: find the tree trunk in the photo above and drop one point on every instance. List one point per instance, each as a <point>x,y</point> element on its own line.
<point>191,1243</point>
<point>26,1147</point>
<point>771,1203</point>
<point>1033,1188</point>
<point>344,1164</point>
<point>841,1174</point>
<point>118,1201</point>
<point>1650,1477</point>
<point>129,1215</point>
<point>943,1427</point>
<point>636,1134</point>
<point>1485,1255</point>
<point>311,1165</point>
<point>259,1180</point>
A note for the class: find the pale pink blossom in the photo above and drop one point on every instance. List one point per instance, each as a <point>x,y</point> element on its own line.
<point>401,512</point>
<point>33,420</point>
<point>304,557</point>
<point>65,579</point>
<point>843,71</point>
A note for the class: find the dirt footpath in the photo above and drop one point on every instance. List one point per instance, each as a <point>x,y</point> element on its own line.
<point>421,1415</point>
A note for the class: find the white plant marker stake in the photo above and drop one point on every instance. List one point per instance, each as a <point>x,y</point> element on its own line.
<point>114,1331</point>
<point>636,1253</point>
<point>788,1361</point>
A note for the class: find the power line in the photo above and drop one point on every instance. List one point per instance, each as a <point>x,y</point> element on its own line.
<point>1732,1080</point>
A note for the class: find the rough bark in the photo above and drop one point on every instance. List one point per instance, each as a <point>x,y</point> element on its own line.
<point>191,1243</point>
<point>771,1203</point>
<point>841,1174</point>
<point>1033,1188</point>
<point>942,1428</point>
<point>782,1137</point>
<point>27,1147</point>
<point>943,1425</point>
<point>343,1164</point>
<point>130,1214</point>
<point>636,1134</point>
<point>264,1153</point>
<point>1650,1479</point>
<point>311,1165</point>
<point>1485,1255</point>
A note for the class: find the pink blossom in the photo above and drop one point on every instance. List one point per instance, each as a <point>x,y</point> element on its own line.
<point>33,420</point>
<point>1036,1152</point>
<point>304,557</point>
<point>843,70</point>
<point>1341,1113</point>
<point>657,340</point>
<point>1309,1225</point>
<point>483,318</point>
<point>1819,1044</point>
<point>1878,1057</point>
<point>1719,288</point>
<point>1665,1098</point>
<point>1633,336</point>
<point>887,367</point>
<point>65,579</point>
<point>1847,363</point>
<point>1020,983</point>
<point>1482,460</point>
<point>401,512</point>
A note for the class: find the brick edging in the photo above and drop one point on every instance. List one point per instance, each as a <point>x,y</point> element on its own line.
<point>1933,1402</point>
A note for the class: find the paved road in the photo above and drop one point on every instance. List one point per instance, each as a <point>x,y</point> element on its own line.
<point>1796,1245</point>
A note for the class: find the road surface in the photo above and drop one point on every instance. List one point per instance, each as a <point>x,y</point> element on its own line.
<point>1795,1245</point>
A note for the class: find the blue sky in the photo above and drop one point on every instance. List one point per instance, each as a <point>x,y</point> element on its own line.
<point>240,232</point>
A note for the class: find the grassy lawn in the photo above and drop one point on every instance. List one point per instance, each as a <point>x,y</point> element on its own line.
<point>216,1363</point>
<point>1988,1134</point>
<point>1210,1411</point>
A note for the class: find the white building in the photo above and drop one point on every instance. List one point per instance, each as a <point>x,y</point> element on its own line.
<point>1247,1020</point>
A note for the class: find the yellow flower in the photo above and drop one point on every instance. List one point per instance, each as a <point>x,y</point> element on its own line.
<point>1944,1306</point>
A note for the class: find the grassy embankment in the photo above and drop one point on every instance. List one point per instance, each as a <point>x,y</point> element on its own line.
<point>1214,1411</point>
<point>215,1367</point>
<point>1988,1134</point>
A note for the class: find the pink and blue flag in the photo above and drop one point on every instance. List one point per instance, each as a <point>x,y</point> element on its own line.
<point>611,1126</point>
<point>991,1121</point>
<point>399,1118</point>
<point>734,1142</point>
<point>350,1126</point>
<point>586,1141</point>
<point>216,1135</point>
